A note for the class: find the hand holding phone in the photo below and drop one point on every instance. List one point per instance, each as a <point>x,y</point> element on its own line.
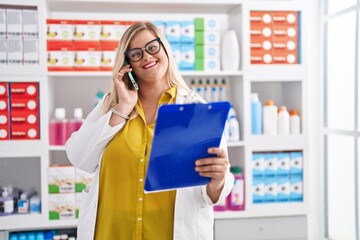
<point>131,77</point>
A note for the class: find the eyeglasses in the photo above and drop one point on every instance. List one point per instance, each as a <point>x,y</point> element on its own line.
<point>136,54</point>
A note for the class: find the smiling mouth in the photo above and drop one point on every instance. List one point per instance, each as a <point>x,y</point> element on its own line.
<point>149,65</point>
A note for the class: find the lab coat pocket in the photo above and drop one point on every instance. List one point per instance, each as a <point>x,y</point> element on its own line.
<point>205,222</point>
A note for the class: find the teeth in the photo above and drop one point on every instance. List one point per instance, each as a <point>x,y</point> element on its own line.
<point>150,65</point>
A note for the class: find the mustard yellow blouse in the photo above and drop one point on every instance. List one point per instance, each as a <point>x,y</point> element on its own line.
<point>124,211</point>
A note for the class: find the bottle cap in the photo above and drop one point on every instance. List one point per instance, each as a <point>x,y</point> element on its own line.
<point>254,96</point>
<point>293,112</point>
<point>207,81</point>
<point>78,114</point>
<point>282,108</point>
<point>223,81</point>
<point>235,170</point>
<point>269,103</point>
<point>60,113</point>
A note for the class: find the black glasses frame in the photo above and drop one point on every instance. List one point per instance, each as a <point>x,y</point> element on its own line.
<point>127,52</point>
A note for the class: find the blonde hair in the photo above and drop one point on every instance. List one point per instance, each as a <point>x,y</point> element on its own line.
<point>173,75</point>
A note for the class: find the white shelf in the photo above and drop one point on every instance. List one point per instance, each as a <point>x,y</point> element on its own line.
<point>236,144</point>
<point>22,148</point>
<point>22,222</point>
<point>276,143</point>
<point>108,74</point>
<point>56,148</point>
<point>266,210</point>
<point>275,72</point>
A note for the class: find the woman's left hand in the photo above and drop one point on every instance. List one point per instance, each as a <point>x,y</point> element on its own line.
<point>215,168</point>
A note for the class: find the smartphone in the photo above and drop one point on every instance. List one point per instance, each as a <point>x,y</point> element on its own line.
<point>131,77</point>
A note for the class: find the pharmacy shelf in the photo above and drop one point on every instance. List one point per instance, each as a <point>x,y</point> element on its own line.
<point>56,148</point>
<point>63,75</point>
<point>265,210</point>
<point>274,73</point>
<point>22,148</point>
<point>235,144</point>
<point>33,221</point>
<point>276,142</point>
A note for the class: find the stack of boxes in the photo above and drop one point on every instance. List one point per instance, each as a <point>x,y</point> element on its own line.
<point>207,44</point>
<point>19,42</point>
<point>66,184</point>
<point>19,111</point>
<point>277,177</point>
<point>275,37</point>
<point>83,45</point>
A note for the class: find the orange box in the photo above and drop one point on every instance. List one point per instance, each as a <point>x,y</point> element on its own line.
<point>24,90</point>
<point>4,91</point>
<point>285,32</point>
<point>4,105</point>
<point>59,45</point>
<point>30,118</point>
<point>285,58</point>
<point>286,18</point>
<point>24,104</point>
<point>260,18</point>
<point>24,132</point>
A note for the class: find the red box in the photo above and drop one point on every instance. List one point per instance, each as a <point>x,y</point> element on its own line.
<point>24,132</point>
<point>4,91</point>
<point>24,104</point>
<point>30,118</point>
<point>24,90</point>
<point>4,132</point>
<point>4,105</point>
<point>286,18</point>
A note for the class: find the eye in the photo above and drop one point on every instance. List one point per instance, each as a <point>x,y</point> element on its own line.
<point>135,54</point>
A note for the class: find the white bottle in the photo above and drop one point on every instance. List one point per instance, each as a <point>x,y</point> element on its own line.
<point>283,121</point>
<point>208,91</point>
<point>230,51</point>
<point>227,131</point>
<point>200,88</point>
<point>234,129</point>
<point>270,118</point>
<point>215,91</point>
<point>223,90</point>
<point>294,122</point>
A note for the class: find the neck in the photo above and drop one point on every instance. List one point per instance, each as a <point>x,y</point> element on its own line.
<point>153,90</point>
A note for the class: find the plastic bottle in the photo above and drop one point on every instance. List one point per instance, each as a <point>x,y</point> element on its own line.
<point>294,122</point>
<point>215,90</point>
<point>234,129</point>
<point>230,51</point>
<point>283,121</point>
<point>30,236</point>
<point>223,90</point>
<point>193,85</point>
<point>76,122</point>
<point>256,114</point>
<point>35,204</point>
<point>221,206</point>
<point>200,88</point>
<point>99,96</point>
<point>227,131</point>
<point>13,236</point>
<point>40,235</point>
<point>236,199</point>
<point>270,118</point>
<point>208,91</point>
<point>58,128</point>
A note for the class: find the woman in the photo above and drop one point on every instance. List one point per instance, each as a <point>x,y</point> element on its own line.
<point>114,143</point>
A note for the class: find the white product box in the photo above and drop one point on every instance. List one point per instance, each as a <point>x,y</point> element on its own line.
<point>107,59</point>
<point>211,23</point>
<point>61,59</point>
<point>271,189</point>
<point>15,51</point>
<point>258,164</point>
<point>283,165</point>
<point>296,163</point>
<point>3,51</point>
<point>2,23</point>
<point>175,47</point>
<point>161,26</point>
<point>112,30</point>
<point>258,190</point>
<point>296,188</point>
<point>283,188</point>
<point>173,31</point>
<point>60,30</point>
<point>30,23</point>
<point>212,64</point>
<point>82,180</point>
<point>187,56</point>
<point>87,30</point>
<point>62,206</point>
<point>61,179</point>
<point>87,59</point>
<point>14,23</point>
<point>187,32</point>
<point>211,38</point>
<point>270,164</point>
<point>212,51</point>
<point>31,51</point>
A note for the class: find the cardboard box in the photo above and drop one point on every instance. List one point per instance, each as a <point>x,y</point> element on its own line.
<point>61,179</point>
<point>30,23</point>
<point>62,206</point>
<point>15,51</point>
<point>82,180</point>
<point>59,29</point>
<point>3,32</point>
<point>3,51</point>
<point>14,23</point>
<point>87,30</point>
<point>258,164</point>
<point>187,32</point>
<point>4,104</point>
<point>258,190</point>
<point>24,90</point>
<point>173,31</point>
<point>24,132</point>
<point>31,51</point>
<point>62,60</point>
<point>4,89</point>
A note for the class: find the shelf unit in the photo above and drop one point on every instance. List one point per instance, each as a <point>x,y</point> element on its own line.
<point>55,91</point>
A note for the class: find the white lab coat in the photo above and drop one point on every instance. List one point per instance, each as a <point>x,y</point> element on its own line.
<point>193,218</point>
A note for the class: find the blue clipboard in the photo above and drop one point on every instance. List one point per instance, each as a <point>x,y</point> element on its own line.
<point>183,133</point>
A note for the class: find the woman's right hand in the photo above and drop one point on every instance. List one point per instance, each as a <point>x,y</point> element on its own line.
<point>127,98</point>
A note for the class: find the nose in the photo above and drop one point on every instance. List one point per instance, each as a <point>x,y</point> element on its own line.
<point>146,55</point>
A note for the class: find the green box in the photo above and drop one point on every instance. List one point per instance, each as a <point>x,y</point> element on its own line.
<point>199,51</point>
<point>199,24</point>
<point>199,38</point>
<point>199,64</point>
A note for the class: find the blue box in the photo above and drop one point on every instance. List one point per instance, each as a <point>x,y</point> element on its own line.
<point>258,164</point>
<point>283,186</point>
<point>283,164</point>
<point>270,189</point>
<point>270,164</point>
<point>258,190</point>
<point>296,188</point>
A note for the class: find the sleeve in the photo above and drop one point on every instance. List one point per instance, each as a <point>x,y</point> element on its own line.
<point>85,147</point>
<point>229,181</point>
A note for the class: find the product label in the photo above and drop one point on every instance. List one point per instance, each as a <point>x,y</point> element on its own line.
<point>237,193</point>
